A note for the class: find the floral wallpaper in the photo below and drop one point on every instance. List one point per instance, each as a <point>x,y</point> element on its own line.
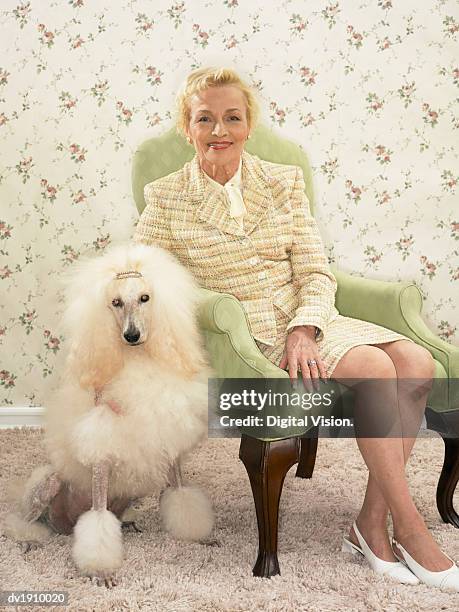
<point>369,89</point>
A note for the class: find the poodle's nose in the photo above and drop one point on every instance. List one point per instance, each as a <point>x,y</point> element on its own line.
<point>132,336</point>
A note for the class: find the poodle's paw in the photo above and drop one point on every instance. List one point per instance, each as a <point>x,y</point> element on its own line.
<point>20,530</point>
<point>186,513</point>
<point>30,545</point>
<point>104,579</point>
<point>211,542</point>
<point>98,548</point>
<point>130,519</point>
<point>130,525</point>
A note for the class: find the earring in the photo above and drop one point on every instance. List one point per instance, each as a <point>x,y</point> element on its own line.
<point>248,136</point>
<point>189,139</point>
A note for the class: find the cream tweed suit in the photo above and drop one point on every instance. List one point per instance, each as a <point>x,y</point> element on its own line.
<point>275,264</point>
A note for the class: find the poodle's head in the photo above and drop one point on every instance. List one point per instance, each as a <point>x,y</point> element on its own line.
<point>128,296</point>
<point>133,297</point>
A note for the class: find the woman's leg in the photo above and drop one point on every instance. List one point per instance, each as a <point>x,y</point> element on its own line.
<point>411,362</point>
<point>386,456</point>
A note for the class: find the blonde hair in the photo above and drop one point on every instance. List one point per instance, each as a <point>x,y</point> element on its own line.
<point>202,79</point>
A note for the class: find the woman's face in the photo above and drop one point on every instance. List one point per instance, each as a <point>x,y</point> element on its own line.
<point>218,125</point>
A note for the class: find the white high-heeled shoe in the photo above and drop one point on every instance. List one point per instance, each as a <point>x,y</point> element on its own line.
<point>394,569</point>
<point>446,579</point>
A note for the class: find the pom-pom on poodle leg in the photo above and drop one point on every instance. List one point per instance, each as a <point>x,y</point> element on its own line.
<point>23,526</point>
<point>97,547</point>
<point>186,512</point>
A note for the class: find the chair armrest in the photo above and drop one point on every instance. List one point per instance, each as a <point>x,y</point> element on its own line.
<point>231,348</point>
<point>396,306</point>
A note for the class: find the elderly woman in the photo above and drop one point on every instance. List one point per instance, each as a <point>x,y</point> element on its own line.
<point>243,226</point>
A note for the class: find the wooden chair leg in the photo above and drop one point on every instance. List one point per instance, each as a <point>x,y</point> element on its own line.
<point>267,464</point>
<point>448,480</point>
<point>308,452</point>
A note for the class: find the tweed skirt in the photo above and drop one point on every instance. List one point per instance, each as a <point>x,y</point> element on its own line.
<point>340,335</point>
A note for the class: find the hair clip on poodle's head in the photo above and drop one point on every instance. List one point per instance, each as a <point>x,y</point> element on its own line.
<point>128,274</point>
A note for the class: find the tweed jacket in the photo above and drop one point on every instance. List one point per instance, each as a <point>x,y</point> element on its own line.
<point>275,260</point>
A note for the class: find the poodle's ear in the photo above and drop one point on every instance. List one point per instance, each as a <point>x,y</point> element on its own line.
<point>91,331</point>
<point>174,337</point>
<point>175,340</point>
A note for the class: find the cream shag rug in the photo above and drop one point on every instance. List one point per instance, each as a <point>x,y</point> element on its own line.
<point>160,574</point>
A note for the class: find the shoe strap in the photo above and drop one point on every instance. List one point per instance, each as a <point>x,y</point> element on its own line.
<point>400,547</point>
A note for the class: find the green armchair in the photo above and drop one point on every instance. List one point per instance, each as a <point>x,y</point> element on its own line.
<point>234,353</point>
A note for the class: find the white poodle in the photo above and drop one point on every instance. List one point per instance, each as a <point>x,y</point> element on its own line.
<point>131,403</point>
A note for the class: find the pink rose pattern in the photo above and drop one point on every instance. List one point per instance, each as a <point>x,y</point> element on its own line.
<point>368,89</point>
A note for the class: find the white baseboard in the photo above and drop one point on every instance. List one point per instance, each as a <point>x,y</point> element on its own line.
<point>18,416</point>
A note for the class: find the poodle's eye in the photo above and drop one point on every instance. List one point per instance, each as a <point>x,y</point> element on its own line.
<point>117,303</point>
<point>144,297</point>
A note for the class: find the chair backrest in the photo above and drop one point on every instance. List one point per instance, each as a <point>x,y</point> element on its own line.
<point>159,156</point>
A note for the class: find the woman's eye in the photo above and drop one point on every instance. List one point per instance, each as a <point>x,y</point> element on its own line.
<point>235,117</point>
<point>202,118</point>
<point>117,303</point>
<point>144,297</point>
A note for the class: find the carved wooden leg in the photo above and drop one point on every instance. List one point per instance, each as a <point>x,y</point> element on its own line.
<point>308,454</point>
<point>448,480</point>
<point>267,464</point>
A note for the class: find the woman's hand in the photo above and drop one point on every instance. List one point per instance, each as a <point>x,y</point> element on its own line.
<point>301,348</point>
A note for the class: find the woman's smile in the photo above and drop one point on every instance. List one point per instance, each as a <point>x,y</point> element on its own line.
<point>217,146</point>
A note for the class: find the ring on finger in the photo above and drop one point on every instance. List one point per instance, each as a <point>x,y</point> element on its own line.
<point>311,362</point>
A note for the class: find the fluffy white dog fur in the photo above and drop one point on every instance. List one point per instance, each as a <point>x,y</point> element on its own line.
<point>145,357</point>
